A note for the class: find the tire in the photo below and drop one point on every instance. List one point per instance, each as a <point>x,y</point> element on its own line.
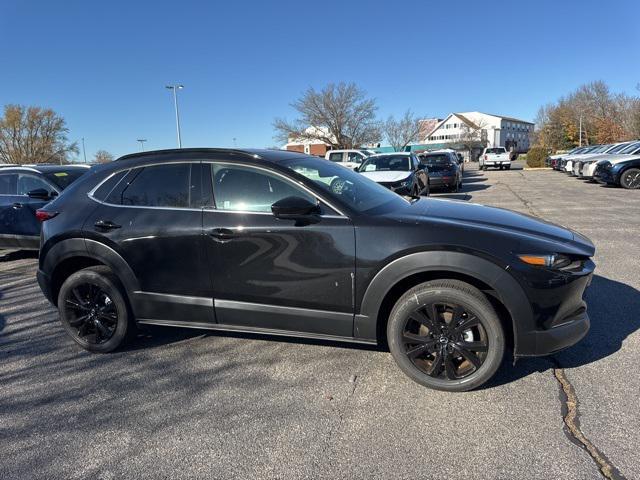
<point>630,179</point>
<point>94,310</point>
<point>508,167</point>
<point>459,369</point>
<point>501,167</point>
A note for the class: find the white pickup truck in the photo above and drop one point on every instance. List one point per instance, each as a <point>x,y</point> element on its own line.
<point>495,157</point>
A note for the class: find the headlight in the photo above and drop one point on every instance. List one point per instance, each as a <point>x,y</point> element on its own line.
<point>404,183</point>
<point>555,260</point>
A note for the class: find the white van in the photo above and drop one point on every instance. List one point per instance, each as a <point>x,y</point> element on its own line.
<point>348,158</point>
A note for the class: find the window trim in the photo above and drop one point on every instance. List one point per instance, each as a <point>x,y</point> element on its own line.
<point>91,192</point>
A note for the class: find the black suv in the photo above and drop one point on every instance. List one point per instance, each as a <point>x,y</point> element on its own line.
<point>25,189</point>
<point>267,241</point>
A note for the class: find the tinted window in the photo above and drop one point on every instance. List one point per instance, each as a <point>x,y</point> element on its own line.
<point>250,189</point>
<point>159,186</point>
<point>103,190</point>
<point>495,150</point>
<point>335,157</point>
<point>8,183</point>
<point>354,157</point>
<point>65,178</point>
<point>26,183</point>
<point>439,159</point>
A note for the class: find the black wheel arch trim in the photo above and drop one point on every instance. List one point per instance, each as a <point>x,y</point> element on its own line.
<point>507,290</point>
<point>84,247</point>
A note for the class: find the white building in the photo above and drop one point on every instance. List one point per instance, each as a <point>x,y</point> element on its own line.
<point>494,130</point>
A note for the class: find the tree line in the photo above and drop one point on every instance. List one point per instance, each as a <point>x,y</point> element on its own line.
<point>592,114</point>
<point>30,135</point>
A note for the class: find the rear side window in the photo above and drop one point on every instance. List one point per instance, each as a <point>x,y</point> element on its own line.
<point>104,190</point>
<point>156,186</point>
<point>8,183</point>
<point>335,157</point>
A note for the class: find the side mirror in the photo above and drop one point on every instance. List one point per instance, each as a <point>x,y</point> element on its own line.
<point>356,169</point>
<point>294,208</point>
<point>39,194</point>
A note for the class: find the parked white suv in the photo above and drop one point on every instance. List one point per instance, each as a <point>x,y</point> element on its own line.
<point>495,157</point>
<point>348,158</point>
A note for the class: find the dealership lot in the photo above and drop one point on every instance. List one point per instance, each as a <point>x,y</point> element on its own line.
<point>199,404</point>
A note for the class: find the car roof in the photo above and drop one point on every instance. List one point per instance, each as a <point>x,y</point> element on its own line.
<point>390,154</point>
<point>270,155</point>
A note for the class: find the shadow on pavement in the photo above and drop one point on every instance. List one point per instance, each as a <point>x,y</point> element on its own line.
<point>11,255</point>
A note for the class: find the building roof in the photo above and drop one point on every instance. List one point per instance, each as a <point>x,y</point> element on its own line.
<point>512,119</point>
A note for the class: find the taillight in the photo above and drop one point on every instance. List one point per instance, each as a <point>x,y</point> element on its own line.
<point>44,215</point>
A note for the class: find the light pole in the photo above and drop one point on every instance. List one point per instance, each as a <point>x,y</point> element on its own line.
<point>175,89</point>
<point>84,152</point>
<point>141,140</point>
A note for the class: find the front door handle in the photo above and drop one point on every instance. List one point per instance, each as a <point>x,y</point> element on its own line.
<point>105,225</point>
<point>16,206</point>
<point>221,234</point>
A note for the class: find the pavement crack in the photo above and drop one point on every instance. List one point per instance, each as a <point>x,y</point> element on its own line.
<point>571,417</point>
<point>341,414</point>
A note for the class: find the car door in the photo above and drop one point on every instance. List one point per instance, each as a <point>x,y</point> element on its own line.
<point>271,273</point>
<point>153,219</point>
<point>421,174</point>
<point>26,226</point>
<point>8,212</point>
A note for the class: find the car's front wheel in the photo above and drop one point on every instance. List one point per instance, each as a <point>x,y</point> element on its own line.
<point>630,179</point>
<point>94,311</point>
<point>445,335</point>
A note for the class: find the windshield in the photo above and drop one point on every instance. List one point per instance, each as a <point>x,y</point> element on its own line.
<point>64,178</point>
<point>631,148</point>
<point>355,190</point>
<point>396,163</point>
<point>618,148</point>
<point>495,150</point>
<point>600,149</point>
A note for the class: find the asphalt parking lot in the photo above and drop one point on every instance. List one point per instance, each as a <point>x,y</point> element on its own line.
<point>186,403</point>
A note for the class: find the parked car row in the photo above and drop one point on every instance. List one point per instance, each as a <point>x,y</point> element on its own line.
<point>612,164</point>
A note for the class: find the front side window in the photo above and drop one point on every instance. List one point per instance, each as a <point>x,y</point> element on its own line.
<point>27,183</point>
<point>8,183</point>
<point>248,189</point>
<point>354,157</point>
<point>159,186</point>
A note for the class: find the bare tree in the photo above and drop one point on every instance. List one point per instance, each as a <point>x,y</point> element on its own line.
<point>473,135</point>
<point>402,132</point>
<point>339,115</point>
<point>102,156</point>
<point>33,135</point>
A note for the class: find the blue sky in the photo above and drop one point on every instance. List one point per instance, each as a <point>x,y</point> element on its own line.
<point>104,65</point>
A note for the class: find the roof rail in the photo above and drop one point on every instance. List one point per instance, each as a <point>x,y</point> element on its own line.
<point>185,150</point>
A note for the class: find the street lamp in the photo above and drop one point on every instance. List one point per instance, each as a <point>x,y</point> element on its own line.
<point>141,140</point>
<point>175,89</point>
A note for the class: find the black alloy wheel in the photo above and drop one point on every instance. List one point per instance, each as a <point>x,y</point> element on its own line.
<point>630,179</point>
<point>94,311</point>
<point>445,334</point>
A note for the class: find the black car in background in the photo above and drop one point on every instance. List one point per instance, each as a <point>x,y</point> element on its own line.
<point>267,241</point>
<point>25,189</point>
<point>621,172</point>
<point>400,172</point>
<point>444,170</point>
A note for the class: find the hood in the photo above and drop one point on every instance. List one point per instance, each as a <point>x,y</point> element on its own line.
<point>387,176</point>
<point>463,212</point>
<point>620,158</point>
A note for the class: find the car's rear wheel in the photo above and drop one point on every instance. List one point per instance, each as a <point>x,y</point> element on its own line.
<point>94,311</point>
<point>508,167</point>
<point>445,335</point>
<point>630,178</point>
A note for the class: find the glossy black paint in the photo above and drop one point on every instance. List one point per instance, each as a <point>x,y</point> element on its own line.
<point>609,173</point>
<point>19,227</point>
<point>328,276</point>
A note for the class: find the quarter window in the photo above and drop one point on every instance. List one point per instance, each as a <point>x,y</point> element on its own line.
<point>249,189</point>
<point>159,186</point>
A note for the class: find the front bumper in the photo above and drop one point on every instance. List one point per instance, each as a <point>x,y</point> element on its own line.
<point>604,175</point>
<point>439,181</point>
<point>547,342</point>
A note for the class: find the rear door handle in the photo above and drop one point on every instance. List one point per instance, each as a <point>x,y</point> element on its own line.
<point>106,225</point>
<point>16,205</point>
<point>221,234</point>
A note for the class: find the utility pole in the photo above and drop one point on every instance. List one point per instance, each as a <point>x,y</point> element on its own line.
<point>84,152</point>
<point>580,131</point>
<point>141,140</point>
<point>175,89</point>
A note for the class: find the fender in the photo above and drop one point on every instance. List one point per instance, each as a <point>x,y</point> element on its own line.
<point>507,289</point>
<point>81,247</point>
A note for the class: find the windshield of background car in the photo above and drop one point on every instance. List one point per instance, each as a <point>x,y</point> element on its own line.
<point>631,148</point>
<point>64,178</point>
<point>495,150</point>
<point>618,148</point>
<point>438,163</point>
<point>382,163</point>
<point>601,149</point>
<point>355,190</point>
